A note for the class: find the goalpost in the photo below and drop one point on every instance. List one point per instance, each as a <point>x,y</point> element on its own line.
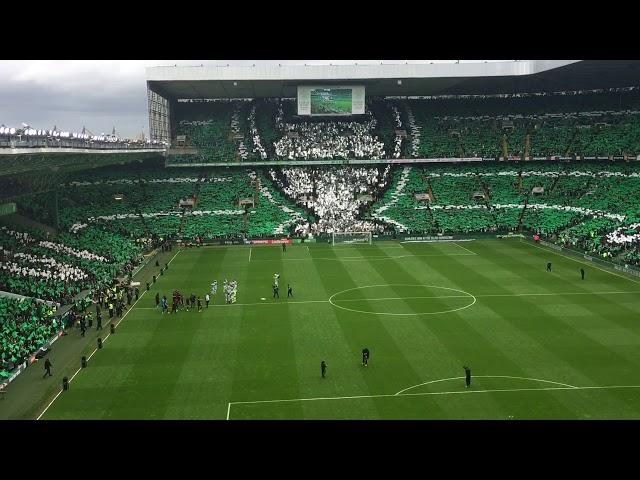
<point>349,238</point>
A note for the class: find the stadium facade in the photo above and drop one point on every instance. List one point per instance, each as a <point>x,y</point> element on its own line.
<point>167,85</point>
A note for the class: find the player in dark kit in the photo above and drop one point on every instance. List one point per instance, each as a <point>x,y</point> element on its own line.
<point>47,368</point>
<point>157,299</point>
<point>365,357</point>
<point>276,291</point>
<point>323,368</point>
<point>467,373</point>
<point>548,266</point>
<point>99,318</point>
<point>284,247</point>
<point>289,291</point>
<point>199,304</point>
<point>582,273</point>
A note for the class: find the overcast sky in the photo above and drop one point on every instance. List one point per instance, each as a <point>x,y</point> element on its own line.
<point>98,94</point>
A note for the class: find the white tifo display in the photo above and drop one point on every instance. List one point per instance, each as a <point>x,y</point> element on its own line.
<point>331,100</point>
<point>350,238</point>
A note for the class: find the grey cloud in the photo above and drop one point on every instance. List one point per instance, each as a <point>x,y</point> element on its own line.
<point>98,94</point>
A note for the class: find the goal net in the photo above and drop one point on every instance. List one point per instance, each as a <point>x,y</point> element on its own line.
<point>348,238</point>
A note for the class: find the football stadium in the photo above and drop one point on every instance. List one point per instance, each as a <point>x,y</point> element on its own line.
<point>433,241</point>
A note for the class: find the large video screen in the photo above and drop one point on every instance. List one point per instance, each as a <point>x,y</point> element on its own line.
<point>330,100</point>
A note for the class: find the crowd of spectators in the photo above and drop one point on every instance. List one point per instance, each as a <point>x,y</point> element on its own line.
<point>330,140</point>
<point>27,136</point>
<point>336,196</point>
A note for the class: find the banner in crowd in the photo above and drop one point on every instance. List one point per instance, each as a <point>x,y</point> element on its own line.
<point>438,238</point>
<point>271,241</point>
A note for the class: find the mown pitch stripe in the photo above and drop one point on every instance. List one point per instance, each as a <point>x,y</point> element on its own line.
<point>103,341</point>
<point>488,295</point>
<point>355,397</point>
<point>548,250</point>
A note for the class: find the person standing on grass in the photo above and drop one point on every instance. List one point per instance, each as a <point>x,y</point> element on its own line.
<point>47,368</point>
<point>199,304</point>
<point>365,357</point>
<point>323,368</point>
<point>284,247</point>
<point>289,291</point>
<point>157,299</point>
<point>110,309</point>
<point>128,297</point>
<point>137,293</point>
<point>548,266</point>
<point>83,326</point>
<point>467,373</point>
<point>206,299</point>
<point>276,291</point>
<point>164,305</point>
<point>99,321</point>
<point>582,273</point>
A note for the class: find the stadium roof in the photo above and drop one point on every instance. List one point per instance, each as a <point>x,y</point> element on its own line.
<point>390,80</point>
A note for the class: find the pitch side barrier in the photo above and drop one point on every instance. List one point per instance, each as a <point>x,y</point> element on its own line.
<point>169,162</point>
<point>633,271</point>
<point>207,242</point>
<point>63,318</point>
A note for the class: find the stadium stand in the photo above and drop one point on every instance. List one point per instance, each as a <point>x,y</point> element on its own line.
<point>25,326</point>
<point>336,197</point>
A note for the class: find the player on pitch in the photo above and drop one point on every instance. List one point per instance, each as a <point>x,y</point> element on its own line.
<point>365,357</point>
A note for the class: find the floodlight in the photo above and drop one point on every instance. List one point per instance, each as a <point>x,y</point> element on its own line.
<point>13,131</point>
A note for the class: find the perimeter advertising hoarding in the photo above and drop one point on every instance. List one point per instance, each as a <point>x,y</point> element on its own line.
<point>319,100</point>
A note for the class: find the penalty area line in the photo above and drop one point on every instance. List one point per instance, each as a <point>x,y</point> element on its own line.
<point>453,392</point>
<point>464,248</point>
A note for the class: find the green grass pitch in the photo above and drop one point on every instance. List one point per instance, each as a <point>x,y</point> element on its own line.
<point>540,345</point>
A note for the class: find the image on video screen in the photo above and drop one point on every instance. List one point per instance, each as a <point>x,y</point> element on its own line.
<point>329,101</point>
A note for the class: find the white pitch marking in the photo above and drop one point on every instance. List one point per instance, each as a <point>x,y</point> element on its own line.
<point>47,407</point>
<point>361,258</point>
<point>402,314</point>
<point>464,248</point>
<point>94,351</point>
<point>485,376</point>
<point>250,304</point>
<point>401,298</point>
<point>552,294</point>
<point>605,387</point>
<point>398,298</point>
<point>228,411</point>
<point>105,339</point>
<point>250,248</point>
<point>74,375</point>
<point>548,250</point>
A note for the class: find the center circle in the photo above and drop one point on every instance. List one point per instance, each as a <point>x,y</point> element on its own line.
<point>433,299</point>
